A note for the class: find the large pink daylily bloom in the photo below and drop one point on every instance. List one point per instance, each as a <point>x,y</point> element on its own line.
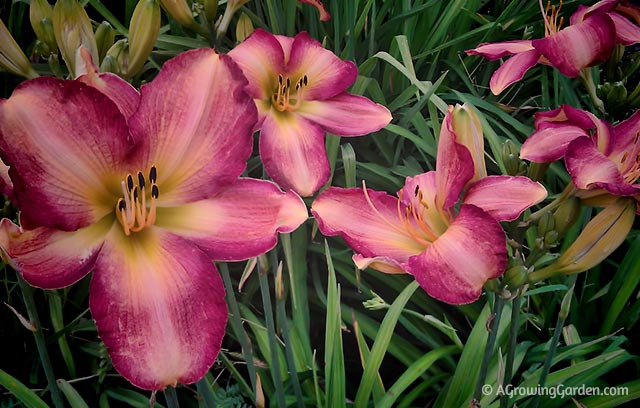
<point>601,158</point>
<point>299,89</point>
<point>625,17</point>
<point>450,251</point>
<point>145,201</point>
<point>588,41</point>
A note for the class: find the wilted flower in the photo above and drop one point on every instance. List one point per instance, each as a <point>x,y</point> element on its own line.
<point>450,252</point>
<point>299,89</point>
<point>146,201</point>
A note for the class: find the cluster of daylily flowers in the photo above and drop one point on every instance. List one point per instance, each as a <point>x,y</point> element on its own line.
<point>145,189</point>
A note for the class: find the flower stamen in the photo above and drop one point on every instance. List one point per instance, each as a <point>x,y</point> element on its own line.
<point>283,99</point>
<point>550,16</point>
<point>131,209</point>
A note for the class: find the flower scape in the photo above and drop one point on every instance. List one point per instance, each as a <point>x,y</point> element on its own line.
<point>319,203</point>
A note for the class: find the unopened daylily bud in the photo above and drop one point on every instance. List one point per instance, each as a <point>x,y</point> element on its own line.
<point>551,239</point>
<point>41,18</point>
<point>118,56</point>
<point>229,11</point>
<point>375,303</point>
<point>279,283</point>
<point>210,10</point>
<point>180,11</point>
<point>566,214</point>
<point>616,95</point>
<point>537,171</point>
<point>468,129</point>
<point>511,158</point>
<point>72,28</point>
<point>105,37</point>
<point>11,56</point>
<point>109,64</point>
<point>143,33</point>
<point>602,235</point>
<point>546,223</point>
<point>515,276</point>
<point>263,263</point>
<point>244,28</point>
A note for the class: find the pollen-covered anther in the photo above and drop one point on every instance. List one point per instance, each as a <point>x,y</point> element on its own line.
<point>135,210</point>
<point>283,98</point>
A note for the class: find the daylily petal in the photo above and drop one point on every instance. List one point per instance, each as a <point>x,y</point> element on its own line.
<point>581,45</point>
<point>324,15</point>
<point>494,51</point>
<point>456,266</point>
<point>373,230</point>
<point>117,89</point>
<point>159,306</point>
<point>328,75</point>
<point>625,140</point>
<point>627,32</point>
<point>197,133</point>
<point>261,59</point>
<point>346,114</point>
<point>379,263</point>
<point>240,222</point>
<point>505,197</point>
<point>603,6</point>
<point>49,258</point>
<point>468,132</point>
<point>6,185</point>
<point>513,70</point>
<point>549,142</point>
<point>589,168</point>
<point>454,165</point>
<point>293,153</point>
<point>63,141</point>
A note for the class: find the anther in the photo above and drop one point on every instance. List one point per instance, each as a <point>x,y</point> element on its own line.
<point>417,190</point>
<point>141,180</point>
<point>135,194</point>
<point>154,191</point>
<point>304,80</point>
<point>130,182</point>
<point>121,205</point>
<point>153,175</point>
<point>280,79</point>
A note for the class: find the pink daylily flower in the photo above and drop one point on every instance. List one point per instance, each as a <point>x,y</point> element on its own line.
<point>625,17</point>
<point>145,202</point>
<point>450,251</point>
<point>299,89</point>
<point>601,158</point>
<point>588,41</point>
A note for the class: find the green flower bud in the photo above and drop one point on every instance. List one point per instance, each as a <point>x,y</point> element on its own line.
<point>551,239</point>
<point>210,10</point>
<point>143,33</point>
<point>510,158</point>
<point>41,18</point>
<point>601,236</point>
<point>180,11</point>
<point>72,28</point>
<point>105,37</point>
<point>118,56</point>
<point>546,223</point>
<point>566,214</point>
<point>244,28</point>
<point>11,56</point>
<point>537,171</point>
<point>515,276</point>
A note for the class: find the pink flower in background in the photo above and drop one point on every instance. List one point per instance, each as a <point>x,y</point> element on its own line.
<point>299,89</point>
<point>600,157</point>
<point>145,201</point>
<point>450,251</point>
<point>588,41</point>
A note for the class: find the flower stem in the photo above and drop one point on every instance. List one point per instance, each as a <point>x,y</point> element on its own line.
<point>562,315</point>
<point>41,344</point>
<point>488,350</point>
<point>566,193</point>
<point>587,80</point>
<point>271,331</point>
<point>172,397</point>
<point>513,341</point>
